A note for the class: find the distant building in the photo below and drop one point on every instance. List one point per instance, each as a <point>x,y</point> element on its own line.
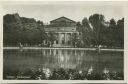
<point>63,28</point>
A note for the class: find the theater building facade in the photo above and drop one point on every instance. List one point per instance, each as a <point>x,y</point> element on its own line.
<point>63,29</point>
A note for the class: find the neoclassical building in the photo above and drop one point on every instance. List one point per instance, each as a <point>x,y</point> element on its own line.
<point>63,28</point>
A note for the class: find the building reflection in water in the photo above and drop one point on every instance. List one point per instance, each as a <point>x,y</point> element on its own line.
<point>64,58</point>
<point>67,59</point>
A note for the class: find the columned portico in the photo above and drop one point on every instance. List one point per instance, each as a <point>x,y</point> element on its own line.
<point>63,38</point>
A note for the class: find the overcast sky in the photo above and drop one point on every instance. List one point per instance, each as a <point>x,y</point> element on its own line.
<point>75,11</point>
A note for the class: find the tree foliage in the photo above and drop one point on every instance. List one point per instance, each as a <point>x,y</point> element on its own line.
<point>110,34</point>
<point>22,30</point>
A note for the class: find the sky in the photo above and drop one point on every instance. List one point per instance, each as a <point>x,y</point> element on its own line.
<point>73,10</point>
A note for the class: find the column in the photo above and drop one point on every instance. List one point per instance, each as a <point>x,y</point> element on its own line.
<point>58,38</point>
<point>71,37</point>
<point>65,38</point>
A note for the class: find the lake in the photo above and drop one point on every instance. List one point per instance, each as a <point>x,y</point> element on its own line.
<point>20,62</point>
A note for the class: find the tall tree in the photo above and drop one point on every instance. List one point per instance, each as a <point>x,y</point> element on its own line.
<point>11,29</point>
<point>112,32</point>
<point>86,32</point>
<point>96,21</point>
<point>120,32</point>
<point>78,27</point>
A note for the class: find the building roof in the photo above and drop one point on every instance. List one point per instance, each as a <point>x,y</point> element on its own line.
<point>64,18</point>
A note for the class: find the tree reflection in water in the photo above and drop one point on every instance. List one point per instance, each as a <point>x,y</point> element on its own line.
<point>61,64</point>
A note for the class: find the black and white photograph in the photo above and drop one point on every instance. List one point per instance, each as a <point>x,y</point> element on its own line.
<point>64,83</point>
<point>63,41</point>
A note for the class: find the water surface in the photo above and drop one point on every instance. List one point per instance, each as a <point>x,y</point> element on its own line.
<point>106,61</point>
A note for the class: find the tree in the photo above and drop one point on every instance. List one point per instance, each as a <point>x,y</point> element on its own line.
<point>86,32</point>
<point>42,33</point>
<point>11,29</point>
<point>112,33</point>
<point>74,39</point>
<point>22,30</point>
<point>97,21</point>
<point>51,37</point>
<point>120,32</point>
<point>85,23</point>
<point>78,27</point>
